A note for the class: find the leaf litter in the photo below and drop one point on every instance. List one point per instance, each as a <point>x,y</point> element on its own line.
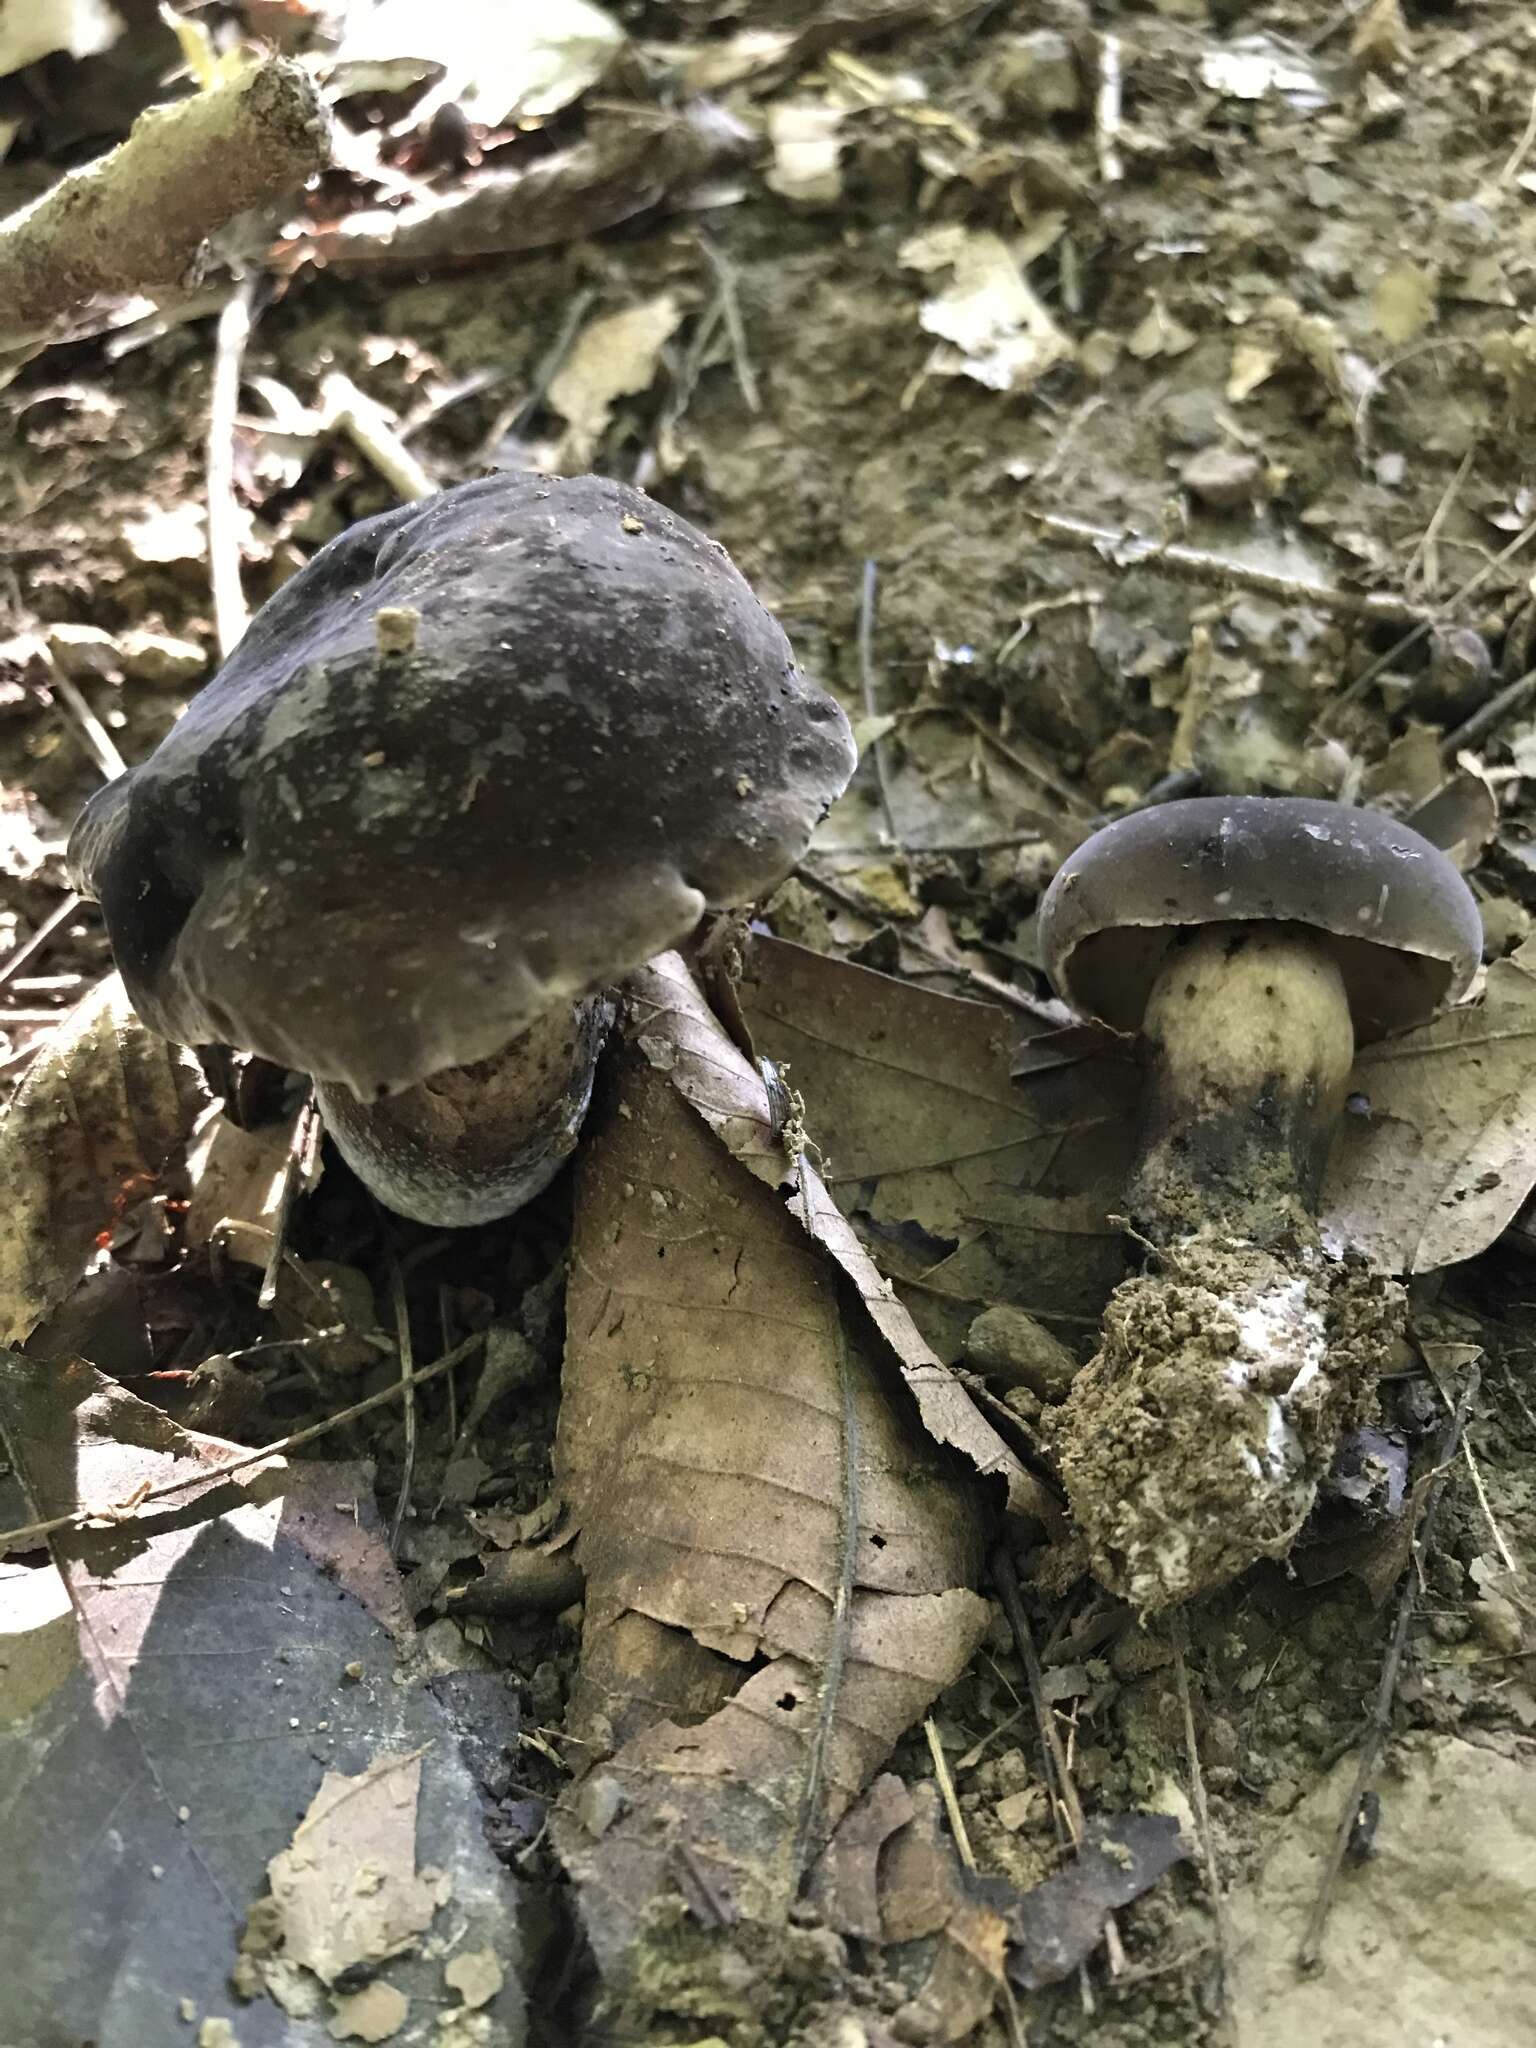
<point>1201,471</point>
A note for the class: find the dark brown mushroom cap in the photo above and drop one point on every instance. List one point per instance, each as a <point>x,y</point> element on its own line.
<point>374,865</point>
<point>1398,917</point>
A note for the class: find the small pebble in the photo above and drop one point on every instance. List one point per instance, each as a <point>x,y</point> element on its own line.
<point>1223,478</point>
<point>158,658</point>
<point>1038,73</point>
<point>1009,1346</point>
<point>84,653</point>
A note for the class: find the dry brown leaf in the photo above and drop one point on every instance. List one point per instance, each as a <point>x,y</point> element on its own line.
<point>102,1108</point>
<point>925,1892</point>
<point>703,1451</point>
<point>1434,1156</point>
<point>972,1147</point>
<point>1438,1150</point>
<point>684,1039</point>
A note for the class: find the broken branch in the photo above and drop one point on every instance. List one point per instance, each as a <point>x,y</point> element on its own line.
<point>135,220</point>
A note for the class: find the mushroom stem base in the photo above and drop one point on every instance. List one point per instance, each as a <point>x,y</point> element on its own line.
<point>1193,1443</point>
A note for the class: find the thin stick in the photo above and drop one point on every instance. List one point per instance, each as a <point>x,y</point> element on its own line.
<point>1379,1725</point>
<point>99,742</point>
<point>1065,1802</point>
<point>11,1538</point>
<point>1106,111</point>
<point>868,586</point>
<point>735,327</point>
<point>1512,698</point>
<point>231,614</point>
<point>1428,551</point>
<point>1036,770</point>
<point>1135,551</point>
<point>303,1145</point>
<point>1202,1811</point>
<point>371,430</point>
<point>1522,148</point>
<point>26,953</point>
<point>1511,1563</point>
<point>544,372</point>
<point>947,1793</point>
<point>840,1622</point>
<point>1007,1581</point>
<point>408,1387</point>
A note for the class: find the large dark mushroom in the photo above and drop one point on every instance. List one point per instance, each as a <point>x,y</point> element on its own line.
<point>1252,942</point>
<point>483,756</point>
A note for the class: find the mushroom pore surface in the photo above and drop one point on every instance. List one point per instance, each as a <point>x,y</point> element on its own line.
<point>374,849</point>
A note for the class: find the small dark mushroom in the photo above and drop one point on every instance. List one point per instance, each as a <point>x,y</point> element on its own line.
<point>482,757</point>
<point>1252,942</point>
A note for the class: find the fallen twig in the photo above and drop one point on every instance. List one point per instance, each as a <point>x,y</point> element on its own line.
<point>26,953</point>
<point>1106,111</point>
<point>72,701</point>
<point>1123,549</point>
<point>1438,616</point>
<point>735,327</point>
<point>365,422</point>
<point>408,1392</point>
<point>840,1621</point>
<point>231,614</point>
<point>1472,731</point>
<point>135,220</point>
<point>1202,1813</point>
<point>211,1475</point>
<point>869,583</point>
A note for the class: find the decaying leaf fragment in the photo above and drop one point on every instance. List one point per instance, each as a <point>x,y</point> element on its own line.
<point>612,357</point>
<point>728,1092</point>
<point>346,1889</point>
<point>749,1490</point>
<point>172,1692</point>
<point>972,1148</point>
<point>990,325</point>
<point>105,1104</point>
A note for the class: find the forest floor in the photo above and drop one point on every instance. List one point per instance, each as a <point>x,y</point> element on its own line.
<point>978,301</point>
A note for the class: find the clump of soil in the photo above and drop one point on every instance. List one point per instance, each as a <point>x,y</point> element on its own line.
<point>1193,1443</point>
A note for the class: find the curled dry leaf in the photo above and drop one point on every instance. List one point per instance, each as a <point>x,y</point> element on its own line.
<point>619,169</point>
<point>747,1488</point>
<point>105,1104</point>
<point>684,1039</point>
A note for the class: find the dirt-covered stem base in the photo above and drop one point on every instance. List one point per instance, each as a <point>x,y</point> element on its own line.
<point>1193,1443</point>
